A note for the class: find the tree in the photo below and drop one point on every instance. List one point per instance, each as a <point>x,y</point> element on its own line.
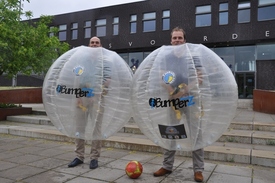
<point>25,46</point>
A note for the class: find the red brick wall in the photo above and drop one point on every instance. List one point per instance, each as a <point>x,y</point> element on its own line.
<point>21,96</point>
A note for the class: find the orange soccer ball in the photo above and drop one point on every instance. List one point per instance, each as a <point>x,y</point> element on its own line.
<point>133,169</point>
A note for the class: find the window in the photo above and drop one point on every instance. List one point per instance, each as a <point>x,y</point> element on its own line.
<point>244,12</point>
<point>115,25</point>
<point>133,24</point>
<point>266,52</point>
<point>245,58</point>
<point>223,14</point>
<point>62,34</point>
<point>101,27</point>
<point>266,10</point>
<point>203,16</point>
<point>149,22</point>
<point>227,55</point>
<point>166,20</point>
<point>74,30</point>
<point>87,29</point>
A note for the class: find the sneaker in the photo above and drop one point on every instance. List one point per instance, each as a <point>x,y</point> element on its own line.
<point>93,164</point>
<point>162,172</point>
<point>198,176</point>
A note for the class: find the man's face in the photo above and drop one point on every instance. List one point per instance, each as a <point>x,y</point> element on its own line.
<point>94,42</point>
<point>177,38</point>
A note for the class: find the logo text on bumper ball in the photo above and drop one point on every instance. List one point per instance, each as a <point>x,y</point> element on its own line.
<point>177,103</point>
<point>78,92</point>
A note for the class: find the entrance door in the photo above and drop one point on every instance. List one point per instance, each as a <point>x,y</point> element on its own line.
<point>246,84</point>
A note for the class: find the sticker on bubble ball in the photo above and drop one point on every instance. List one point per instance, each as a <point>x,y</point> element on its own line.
<point>172,132</point>
<point>169,77</point>
<point>78,70</point>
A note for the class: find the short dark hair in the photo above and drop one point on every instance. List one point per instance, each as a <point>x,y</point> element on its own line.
<point>179,29</point>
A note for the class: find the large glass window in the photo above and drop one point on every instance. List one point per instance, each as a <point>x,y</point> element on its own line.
<point>133,24</point>
<point>74,31</point>
<point>149,22</point>
<point>166,20</point>
<point>266,52</point>
<point>87,29</point>
<point>115,25</point>
<point>244,12</point>
<point>245,58</point>
<point>223,14</point>
<point>227,55</point>
<point>101,27</point>
<point>203,16</point>
<point>62,34</point>
<point>266,10</point>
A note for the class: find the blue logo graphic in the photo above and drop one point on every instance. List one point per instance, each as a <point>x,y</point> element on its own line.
<point>78,70</point>
<point>169,77</point>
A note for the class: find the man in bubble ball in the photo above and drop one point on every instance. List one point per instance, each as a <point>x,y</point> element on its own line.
<point>178,37</point>
<point>84,106</point>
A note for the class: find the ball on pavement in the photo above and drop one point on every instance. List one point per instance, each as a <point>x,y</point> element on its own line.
<point>133,169</point>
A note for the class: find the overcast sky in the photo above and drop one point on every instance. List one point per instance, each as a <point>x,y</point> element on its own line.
<point>55,7</point>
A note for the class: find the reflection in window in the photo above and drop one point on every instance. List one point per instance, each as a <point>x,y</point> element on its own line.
<point>62,34</point>
<point>87,29</point>
<point>125,57</point>
<point>74,31</point>
<point>266,52</point>
<point>149,22</point>
<point>244,12</point>
<point>100,27</point>
<point>245,58</point>
<point>133,24</point>
<point>203,16</point>
<point>266,10</point>
<point>227,55</point>
<point>115,25</point>
<point>223,14</point>
<point>166,20</point>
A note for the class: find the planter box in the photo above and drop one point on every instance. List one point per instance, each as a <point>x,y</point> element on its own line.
<point>4,112</point>
<point>263,101</point>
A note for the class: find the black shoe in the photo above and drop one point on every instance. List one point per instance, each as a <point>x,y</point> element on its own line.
<point>93,164</point>
<point>75,162</point>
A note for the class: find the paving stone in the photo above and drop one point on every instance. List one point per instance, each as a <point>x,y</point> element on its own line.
<point>234,170</point>
<point>84,180</point>
<point>48,163</point>
<point>144,177</point>
<point>20,172</point>
<point>49,177</point>
<point>6,165</point>
<point>3,180</point>
<point>263,176</point>
<point>104,173</point>
<point>228,178</point>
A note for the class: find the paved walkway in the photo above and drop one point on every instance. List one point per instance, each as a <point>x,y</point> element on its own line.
<point>28,160</point>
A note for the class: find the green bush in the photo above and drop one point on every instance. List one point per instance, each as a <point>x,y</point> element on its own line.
<point>3,105</point>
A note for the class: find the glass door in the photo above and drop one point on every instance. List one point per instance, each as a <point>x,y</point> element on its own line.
<point>246,84</point>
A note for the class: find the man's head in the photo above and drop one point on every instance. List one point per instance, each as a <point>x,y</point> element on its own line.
<point>177,36</point>
<point>95,42</point>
